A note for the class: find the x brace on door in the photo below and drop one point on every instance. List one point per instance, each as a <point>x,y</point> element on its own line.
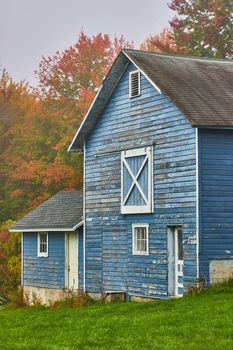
<point>135,180</point>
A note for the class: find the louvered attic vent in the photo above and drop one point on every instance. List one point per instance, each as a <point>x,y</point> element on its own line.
<point>134,83</point>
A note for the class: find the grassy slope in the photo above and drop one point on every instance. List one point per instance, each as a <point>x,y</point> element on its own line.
<point>203,322</point>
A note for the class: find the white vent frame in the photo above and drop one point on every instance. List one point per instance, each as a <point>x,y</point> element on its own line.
<point>130,83</point>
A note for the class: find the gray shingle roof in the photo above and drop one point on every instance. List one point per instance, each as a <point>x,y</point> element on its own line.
<point>201,88</point>
<point>62,212</point>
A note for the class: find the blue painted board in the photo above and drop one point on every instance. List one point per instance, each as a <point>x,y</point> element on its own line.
<point>126,123</point>
<point>216,196</point>
<point>47,272</point>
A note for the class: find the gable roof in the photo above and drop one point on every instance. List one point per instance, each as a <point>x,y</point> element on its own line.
<point>201,88</point>
<point>62,212</point>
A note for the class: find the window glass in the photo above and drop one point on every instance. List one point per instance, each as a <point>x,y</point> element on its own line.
<point>140,239</point>
<point>43,244</point>
<point>180,245</point>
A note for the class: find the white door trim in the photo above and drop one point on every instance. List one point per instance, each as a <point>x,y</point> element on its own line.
<point>68,266</point>
<point>175,266</point>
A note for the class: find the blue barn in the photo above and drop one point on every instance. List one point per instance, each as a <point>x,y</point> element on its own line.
<point>158,168</point>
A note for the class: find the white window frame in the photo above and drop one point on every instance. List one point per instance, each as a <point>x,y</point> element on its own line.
<point>39,253</point>
<point>134,241</point>
<point>149,206</point>
<point>130,83</point>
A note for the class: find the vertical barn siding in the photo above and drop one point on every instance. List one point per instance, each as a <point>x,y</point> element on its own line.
<point>216,197</point>
<point>44,272</point>
<point>149,118</point>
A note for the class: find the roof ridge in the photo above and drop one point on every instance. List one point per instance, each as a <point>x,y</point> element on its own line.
<point>184,57</point>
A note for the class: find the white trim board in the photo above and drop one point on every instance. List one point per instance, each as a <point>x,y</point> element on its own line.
<point>37,229</point>
<point>197,200</point>
<point>93,103</point>
<point>84,218</point>
<point>22,258</point>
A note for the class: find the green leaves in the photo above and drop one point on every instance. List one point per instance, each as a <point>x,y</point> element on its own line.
<point>203,28</point>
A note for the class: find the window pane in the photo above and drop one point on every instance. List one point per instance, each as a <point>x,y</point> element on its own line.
<point>140,238</point>
<point>43,243</point>
<point>180,245</point>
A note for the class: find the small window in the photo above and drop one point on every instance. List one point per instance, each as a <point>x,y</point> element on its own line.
<point>134,84</point>
<point>137,181</point>
<point>140,239</point>
<point>43,244</point>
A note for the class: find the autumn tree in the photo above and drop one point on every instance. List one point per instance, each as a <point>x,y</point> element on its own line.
<point>16,101</point>
<point>162,43</point>
<point>10,260</point>
<point>69,80</point>
<point>203,27</point>
<point>36,127</point>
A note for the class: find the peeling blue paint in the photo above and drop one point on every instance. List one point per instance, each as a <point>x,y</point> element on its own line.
<point>126,123</point>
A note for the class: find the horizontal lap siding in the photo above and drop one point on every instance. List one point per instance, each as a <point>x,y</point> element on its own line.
<point>216,197</point>
<point>44,272</point>
<point>150,118</point>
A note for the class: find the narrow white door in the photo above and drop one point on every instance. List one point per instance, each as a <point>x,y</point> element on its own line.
<point>179,262</point>
<point>72,260</point>
<point>175,262</point>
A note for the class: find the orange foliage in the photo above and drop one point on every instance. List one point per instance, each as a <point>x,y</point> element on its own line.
<point>36,128</point>
<point>161,43</point>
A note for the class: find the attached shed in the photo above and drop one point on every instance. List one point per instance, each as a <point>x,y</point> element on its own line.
<point>52,246</point>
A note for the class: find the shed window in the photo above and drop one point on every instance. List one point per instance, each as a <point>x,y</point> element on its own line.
<point>140,239</point>
<point>136,181</point>
<point>43,244</point>
<point>134,84</point>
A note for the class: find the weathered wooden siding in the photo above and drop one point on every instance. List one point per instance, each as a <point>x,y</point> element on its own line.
<point>49,272</point>
<point>44,272</point>
<point>150,118</point>
<point>216,197</point>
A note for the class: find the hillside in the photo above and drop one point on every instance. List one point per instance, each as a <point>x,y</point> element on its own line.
<point>194,322</point>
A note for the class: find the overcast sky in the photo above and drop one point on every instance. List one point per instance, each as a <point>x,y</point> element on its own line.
<point>32,28</point>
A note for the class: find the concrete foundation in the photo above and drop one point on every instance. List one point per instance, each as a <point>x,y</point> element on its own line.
<point>95,296</point>
<point>220,270</point>
<point>142,299</point>
<point>45,296</point>
<point>114,296</point>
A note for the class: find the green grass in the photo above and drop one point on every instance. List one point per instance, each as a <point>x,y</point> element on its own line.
<point>201,322</point>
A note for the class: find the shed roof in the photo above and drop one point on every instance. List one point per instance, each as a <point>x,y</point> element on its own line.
<point>62,212</point>
<point>201,88</point>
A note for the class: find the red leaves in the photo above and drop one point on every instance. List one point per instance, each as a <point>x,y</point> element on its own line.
<point>203,27</point>
<point>161,43</point>
<point>57,173</point>
<point>82,65</point>
<point>36,128</point>
<point>176,23</point>
<point>41,124</point>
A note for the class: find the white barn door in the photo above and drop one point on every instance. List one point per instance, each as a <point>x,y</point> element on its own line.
<point>72,260</point>
<point>175,262</point>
